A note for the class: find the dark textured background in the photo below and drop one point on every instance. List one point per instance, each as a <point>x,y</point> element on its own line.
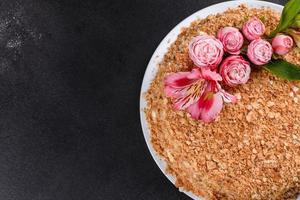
<point>70,76</point>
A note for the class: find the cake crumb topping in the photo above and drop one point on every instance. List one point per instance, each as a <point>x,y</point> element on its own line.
<point>252,150</point>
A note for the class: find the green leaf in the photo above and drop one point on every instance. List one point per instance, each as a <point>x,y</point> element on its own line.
<point>290,11</point>
<point>296,22</point>
<point>284,70</point>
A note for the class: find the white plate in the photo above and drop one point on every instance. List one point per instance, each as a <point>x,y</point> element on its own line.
<point>159,54</point>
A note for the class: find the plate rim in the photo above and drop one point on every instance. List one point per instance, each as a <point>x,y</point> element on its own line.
<point>159,53</point>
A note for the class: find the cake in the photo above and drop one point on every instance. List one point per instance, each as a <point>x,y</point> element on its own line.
<point>252,149</point>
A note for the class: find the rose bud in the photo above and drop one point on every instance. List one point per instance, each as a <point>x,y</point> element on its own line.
<point>282,44</point>
<point>253,29</point>
<point>232,39</point>
<point>259,52</point>
<point>206,51</point>
<point>235,70</point>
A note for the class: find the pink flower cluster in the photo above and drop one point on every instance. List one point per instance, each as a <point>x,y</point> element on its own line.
<point>199,91</point>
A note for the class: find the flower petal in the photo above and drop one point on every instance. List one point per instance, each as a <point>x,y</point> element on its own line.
<point>228,98</point>
<point>173,92</point>
<point>210,75</point>
<point>188,95</point>
<point>204,73</point>
<point>195,74</point>
<point>207,108</point>
<point>212,108</point>
<point>195,110</point>
<point>178,80</point>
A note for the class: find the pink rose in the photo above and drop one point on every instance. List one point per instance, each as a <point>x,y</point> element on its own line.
<point>232,39</point>
<point>206,51</point>
<point>253,29</point>
<point>259,52</point>
<point>235,70</point>
<point>282,44</point>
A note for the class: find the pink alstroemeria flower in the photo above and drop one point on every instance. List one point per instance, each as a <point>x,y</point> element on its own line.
<point>198,92</point>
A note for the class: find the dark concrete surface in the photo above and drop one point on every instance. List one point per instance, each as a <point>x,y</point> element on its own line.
<point>70,76</point>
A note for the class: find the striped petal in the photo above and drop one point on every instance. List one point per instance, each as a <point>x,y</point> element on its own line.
<point>179,80</point>
<point>207,108</point>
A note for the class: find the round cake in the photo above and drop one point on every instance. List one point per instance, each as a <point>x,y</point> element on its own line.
<point>252,149</point>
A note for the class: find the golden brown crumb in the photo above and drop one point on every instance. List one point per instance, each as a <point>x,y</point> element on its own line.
<point>252,151</point>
